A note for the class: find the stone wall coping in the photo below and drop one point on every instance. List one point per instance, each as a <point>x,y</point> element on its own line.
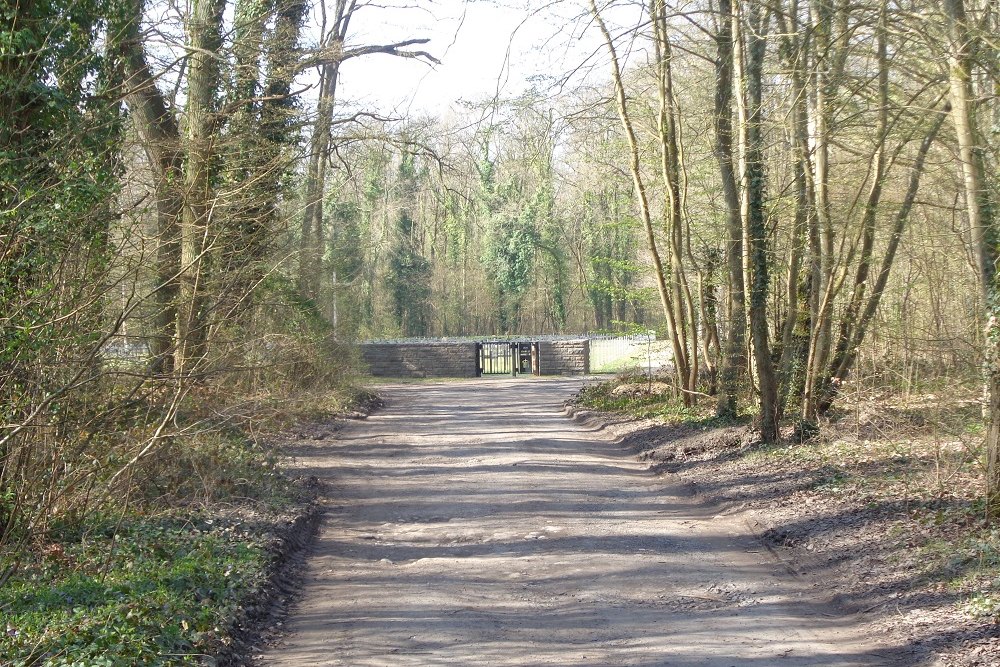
<point>414,344</point>
<point>561,341</point>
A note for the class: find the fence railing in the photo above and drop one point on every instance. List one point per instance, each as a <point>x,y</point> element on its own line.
<point>622,353</point>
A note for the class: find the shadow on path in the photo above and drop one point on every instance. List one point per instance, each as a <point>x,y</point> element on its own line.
<point>473,524</point>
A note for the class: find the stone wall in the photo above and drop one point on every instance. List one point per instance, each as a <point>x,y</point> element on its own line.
<point>420,360</point>
<point>564,357</point>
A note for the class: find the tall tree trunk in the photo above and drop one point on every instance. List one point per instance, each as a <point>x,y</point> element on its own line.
<point>830,41</point>
<point>686,357</point>
<point>980,210</point>
<point>313,235</point>
<point>821,232</point>
<point>758,18</point>
<point>160,138</point>
<point>734,363</point>
<point>278,108</point>
<point>642,200</point>
<point>795,328</point>
<point>197,234</point>
<point>243,233</point>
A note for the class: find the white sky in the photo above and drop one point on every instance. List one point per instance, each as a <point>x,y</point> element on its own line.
<point>486,47</point>
<point>472,39</point>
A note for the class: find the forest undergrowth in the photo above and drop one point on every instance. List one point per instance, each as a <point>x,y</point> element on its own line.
<point>884,506</point>
<point>176,573</point>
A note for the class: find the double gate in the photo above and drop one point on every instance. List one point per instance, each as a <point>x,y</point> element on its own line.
<point>507,358</point>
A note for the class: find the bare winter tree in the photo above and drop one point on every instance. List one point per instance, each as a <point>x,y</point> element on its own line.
<point>334,50</point>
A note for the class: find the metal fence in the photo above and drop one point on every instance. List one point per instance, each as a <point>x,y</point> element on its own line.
<point>619,354</point>
<point>507,358</point>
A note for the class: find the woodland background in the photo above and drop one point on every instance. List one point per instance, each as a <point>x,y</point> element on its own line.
<point>799,195</point>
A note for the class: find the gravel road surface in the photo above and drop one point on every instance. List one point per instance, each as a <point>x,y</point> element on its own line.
<point>472,523</point>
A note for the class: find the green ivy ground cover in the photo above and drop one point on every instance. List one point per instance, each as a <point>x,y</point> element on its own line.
<point>158,592</point>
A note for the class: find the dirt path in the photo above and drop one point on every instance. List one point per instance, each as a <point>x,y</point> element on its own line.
<point>473,524</point>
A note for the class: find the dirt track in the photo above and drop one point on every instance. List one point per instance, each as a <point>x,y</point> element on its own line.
<point>472,523</point>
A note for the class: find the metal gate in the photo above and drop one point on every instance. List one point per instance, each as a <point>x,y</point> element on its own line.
<point>497,357</point>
